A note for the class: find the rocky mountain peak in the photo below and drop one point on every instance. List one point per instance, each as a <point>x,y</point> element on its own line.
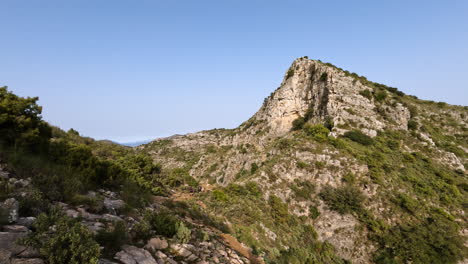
<point>320,92</point>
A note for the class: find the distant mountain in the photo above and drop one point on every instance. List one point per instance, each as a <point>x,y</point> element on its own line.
<point>135,144</point>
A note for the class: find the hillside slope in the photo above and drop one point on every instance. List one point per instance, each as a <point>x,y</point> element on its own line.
<point>379,175</point>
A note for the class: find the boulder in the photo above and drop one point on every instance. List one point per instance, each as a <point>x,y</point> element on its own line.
<point>113,205</point>
<point>156,243</point>
<point>134,255</point>
<point>8,242</point>
<point>180,250</point>
<point>26,221</point>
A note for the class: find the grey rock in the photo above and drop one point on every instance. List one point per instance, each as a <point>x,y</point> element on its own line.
<point>8,242</point>
<point>72,213</point>
<point>156,244</point>
<point>134,255</point>
<point>160,255</point>
<point>180,250</point>
<point>111,218</point>
<point>29,253</point>
<point>27,261</point>
<point>26,221</point>
<point>113,205</point>
<point>191,258</point>
<point>4,174</point>
<point>15,228</point>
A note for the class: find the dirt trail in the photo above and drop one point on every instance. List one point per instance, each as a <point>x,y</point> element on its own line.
<point>233,243</point>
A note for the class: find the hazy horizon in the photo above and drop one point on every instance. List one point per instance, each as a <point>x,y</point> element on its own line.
<point>130,72</point>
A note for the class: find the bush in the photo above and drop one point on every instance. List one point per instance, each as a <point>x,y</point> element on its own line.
<point>303,190</point>
<point>317,132</point>
<point>313,212</point>
<point>114,238</point>
<point>284,143</point>
<point>279,210</point>
<point>183,234</point>
<point>324,77</point>
<point>366,93</point>
<point>412,125</point>
<point>298,123</point>
<point>219,195</point>
<point>380,96</point>
<point>406,202</point>
<point>328,123</point>
<point>434,240</point>
<point>253,168</point>
<point>71,242</point>
<point>290,74</point>
<point>32,204</point>
<point>162,223</point>
<point>359,137</point>
<point>181,176</point>
<point>344,199</point>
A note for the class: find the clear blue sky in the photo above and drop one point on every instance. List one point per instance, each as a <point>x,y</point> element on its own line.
<point>133,70</point>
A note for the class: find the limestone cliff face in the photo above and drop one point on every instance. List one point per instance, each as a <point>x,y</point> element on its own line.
<point>327,93</point>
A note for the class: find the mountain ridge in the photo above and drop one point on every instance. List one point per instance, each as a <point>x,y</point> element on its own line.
<point>305,133</point>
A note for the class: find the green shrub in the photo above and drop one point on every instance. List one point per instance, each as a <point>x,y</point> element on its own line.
<point>253,189</point>
<point>301,164</point>
<point>412,125</point>
<point>407,203</point>
<point>253,168</point>
<point>180,176</point>
<point>324,77</point>
<point>349,178</point>
<point>163,223</point>
<point>380,96</point>
<point>183,234</point>
<point>32,204</point>
<point>284,143</point>
<point>219,195</point>
<point>113,238</point>
<point>344,199</point>
<point>279,210</point>
<point>313,212</point>
<point>328,123</point>
<point>298,123</point>
<point>359,137</point>
<point>434,240</point>
<point>303,190</point>
<point>71,242</point>
<point>319,164</point>
<point>317,132</point>
<point>290,73</point>
<point>366,93</point>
